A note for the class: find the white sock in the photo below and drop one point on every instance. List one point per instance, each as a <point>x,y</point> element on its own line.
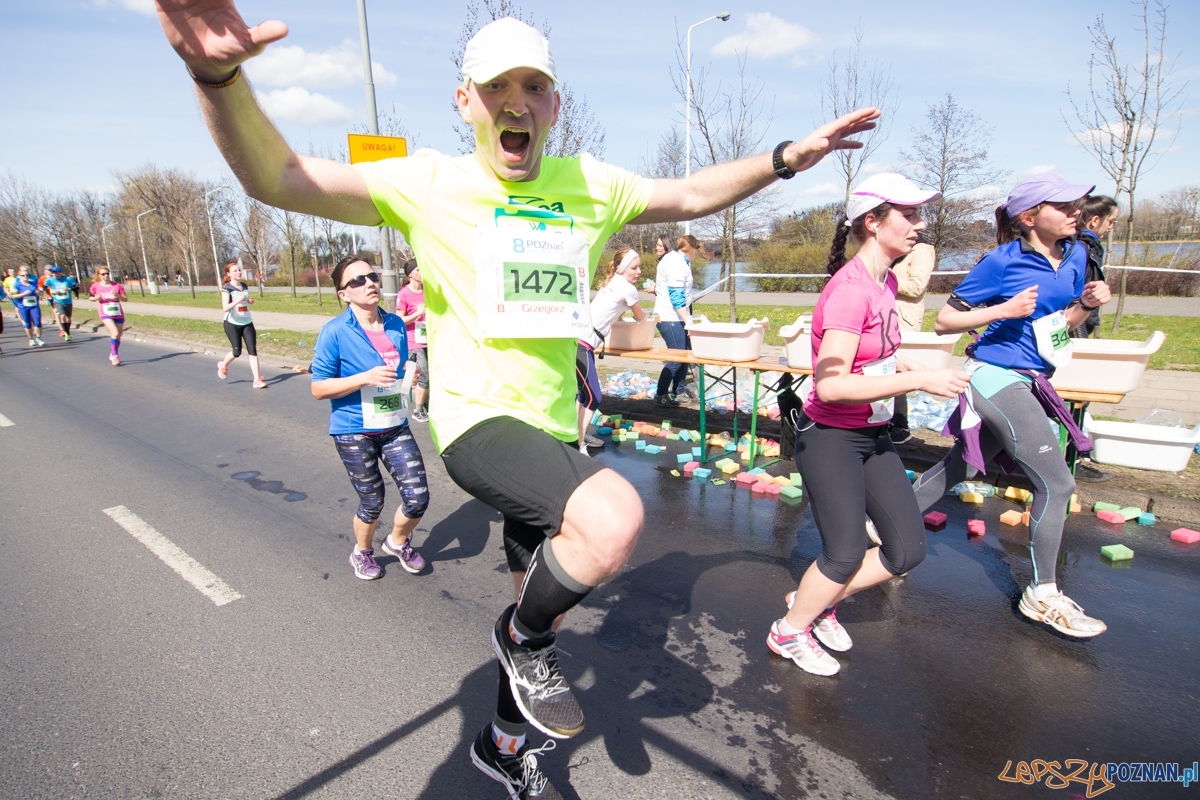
<point>788,630</point>
<point>510,745</point>
<point>1043,590</point>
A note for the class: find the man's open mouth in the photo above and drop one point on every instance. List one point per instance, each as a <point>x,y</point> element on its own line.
<point>515,143</point>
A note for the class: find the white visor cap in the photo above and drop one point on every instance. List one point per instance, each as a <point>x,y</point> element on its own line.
<point>886,187</point>
<point>503,45</point>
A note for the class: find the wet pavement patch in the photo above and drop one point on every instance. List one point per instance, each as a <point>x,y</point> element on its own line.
<point>274,487</point>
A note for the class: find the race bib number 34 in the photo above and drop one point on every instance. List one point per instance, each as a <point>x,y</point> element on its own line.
<point>532,284</point>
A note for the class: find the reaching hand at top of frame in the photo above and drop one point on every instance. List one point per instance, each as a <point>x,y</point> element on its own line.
<point>210,36</point>
<point>831,136</point>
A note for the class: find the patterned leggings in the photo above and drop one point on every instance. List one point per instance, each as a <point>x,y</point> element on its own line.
<point>398,450</point>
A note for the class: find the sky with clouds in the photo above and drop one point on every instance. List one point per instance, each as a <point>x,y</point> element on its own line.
<point>92,86</point>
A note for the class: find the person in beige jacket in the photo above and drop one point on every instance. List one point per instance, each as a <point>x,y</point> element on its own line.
<point>912,276</point>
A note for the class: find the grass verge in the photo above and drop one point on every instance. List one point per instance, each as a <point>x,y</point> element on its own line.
<point>290,344</point>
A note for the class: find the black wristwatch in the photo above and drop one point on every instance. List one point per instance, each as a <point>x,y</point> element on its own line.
<point>781,169</point>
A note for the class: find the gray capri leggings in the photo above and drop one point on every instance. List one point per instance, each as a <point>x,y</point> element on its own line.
<point>1013,421</point>
<point>847,471</point>
<point>421,356</point>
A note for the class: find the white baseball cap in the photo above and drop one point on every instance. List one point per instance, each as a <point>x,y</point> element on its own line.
<point>503,45</point>
<point>886,187</point>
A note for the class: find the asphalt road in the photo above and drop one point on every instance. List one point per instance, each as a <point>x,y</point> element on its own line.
<point>122,680</point>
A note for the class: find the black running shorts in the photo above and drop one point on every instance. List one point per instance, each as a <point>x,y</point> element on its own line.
<point>522,472</point>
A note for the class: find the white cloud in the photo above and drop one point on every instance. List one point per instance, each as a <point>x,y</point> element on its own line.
<point>302,106</point>
<point>292,65</point>
<point>1037,169</point>
<point>827,189</point>
<point>140,6</point>
<point>765,36</point>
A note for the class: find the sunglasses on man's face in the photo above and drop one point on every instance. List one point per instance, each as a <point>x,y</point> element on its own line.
<point>361,280</point>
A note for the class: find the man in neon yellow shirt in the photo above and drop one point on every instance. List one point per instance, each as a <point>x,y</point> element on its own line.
<point>507,240</point>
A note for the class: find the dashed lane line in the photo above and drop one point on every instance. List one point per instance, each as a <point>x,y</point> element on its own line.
<point>174,557</point>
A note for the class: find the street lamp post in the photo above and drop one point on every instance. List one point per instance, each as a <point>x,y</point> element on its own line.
<point>145,262</point>
<point>211,236</point>
<point>104,242</point>
<point>724,17</point>
<point>390,286</point>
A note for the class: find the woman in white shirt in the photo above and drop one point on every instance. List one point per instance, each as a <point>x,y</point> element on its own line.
<point>617,293</point>
<point>673,292</point>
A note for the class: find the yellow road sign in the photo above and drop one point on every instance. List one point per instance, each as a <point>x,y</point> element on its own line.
<point>375,148</point>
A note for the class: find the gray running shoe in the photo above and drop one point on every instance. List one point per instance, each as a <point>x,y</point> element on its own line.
<point>665,400</point>
<point>364,565</point>
<point>537,682</point>
<point>419,414</point>
<point>518,773</point>
<point>593,441</point>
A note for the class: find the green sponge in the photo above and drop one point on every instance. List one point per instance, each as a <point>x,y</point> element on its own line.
<point>790,492</point>
<point>1130,513</point>
<point>1116,552</point>
<point>1106,507</point>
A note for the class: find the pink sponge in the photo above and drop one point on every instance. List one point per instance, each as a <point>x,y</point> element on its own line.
<point>976,527</point>
<point>759,487</point>
<point>935,520</point>
<point>1114,517</point>
<point>745,479</point>
<point>774,489</point>
<point>1185,535</point>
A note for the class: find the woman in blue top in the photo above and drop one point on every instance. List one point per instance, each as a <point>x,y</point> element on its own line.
<point>1029,292</point>
<point>354,366</point>
<point>24,298</point>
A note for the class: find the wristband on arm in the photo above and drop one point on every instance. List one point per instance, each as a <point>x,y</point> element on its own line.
<point>958,304</point>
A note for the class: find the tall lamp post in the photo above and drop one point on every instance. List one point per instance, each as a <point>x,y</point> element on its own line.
<point>211,236</point>
<point>146,263</point>
<point>104,242</point>
<point>724,17</point>
<point>390,286</point>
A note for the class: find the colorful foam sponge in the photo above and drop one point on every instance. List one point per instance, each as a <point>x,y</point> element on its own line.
<point>1011,517</point>
<point>1116,552</point>
<point>1185,535</point>
<point>1115,517</point>
<point>976,527</point>
<point>935,520</point>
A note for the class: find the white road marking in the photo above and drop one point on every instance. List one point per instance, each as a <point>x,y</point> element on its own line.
<point>5,422</point>
<point>188,568</point>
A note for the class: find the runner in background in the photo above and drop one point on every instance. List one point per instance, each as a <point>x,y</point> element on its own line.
<point>41,285</point>
<point>1028,292</point>
<point>355,366</point>
<point>24,296</point>
<point>1097,215</point>
<point>239,326</point>
<point>617,294</point>
<point>410,305</point>
<point>62,293</point>
<point>108,297</point>
<point>843,451</point>
<point>912,279</point>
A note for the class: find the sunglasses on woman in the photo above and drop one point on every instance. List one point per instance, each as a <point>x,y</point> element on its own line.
<point>361,280</point>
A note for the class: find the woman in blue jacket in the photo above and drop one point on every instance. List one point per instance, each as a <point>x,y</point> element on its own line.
<point>354,366</point>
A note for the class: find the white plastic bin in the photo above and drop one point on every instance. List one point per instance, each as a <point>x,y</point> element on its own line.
<point>932,350</point>
<point>727,341</point>
<point>1129,444</point>
<point>1106,365</point>
<point>797,342</point>
<point>629,334</point>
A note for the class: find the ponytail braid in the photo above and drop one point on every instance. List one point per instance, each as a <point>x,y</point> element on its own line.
<point>837,251</point>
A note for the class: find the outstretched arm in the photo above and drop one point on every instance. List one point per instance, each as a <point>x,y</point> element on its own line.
<point>212,40</point>
<point>719,187</point>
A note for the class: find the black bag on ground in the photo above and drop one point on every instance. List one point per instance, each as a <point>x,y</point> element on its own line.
<point>791,414</point>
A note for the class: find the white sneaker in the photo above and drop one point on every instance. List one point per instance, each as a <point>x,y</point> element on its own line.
<point>40,343</point>
<point>803,649</point>
<point>826,627</point>
<point>1061,613</point>
<point>32,343</point>
<point>583,449</point>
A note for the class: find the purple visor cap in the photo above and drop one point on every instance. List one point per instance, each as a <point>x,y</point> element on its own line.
<point>1044,188</point>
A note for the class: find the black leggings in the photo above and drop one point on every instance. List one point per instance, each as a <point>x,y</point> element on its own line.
<point>848,471</point>
<point>238,333</point>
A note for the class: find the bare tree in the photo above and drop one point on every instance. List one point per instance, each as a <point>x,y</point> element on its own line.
<point>578,131</point>
<point>293,252</point>
<point>23,221</point>
<point>731,123</point>
<point>1121,116</point>
<point>851,85</point>
<point>256,235</point>
<point>949,153</point>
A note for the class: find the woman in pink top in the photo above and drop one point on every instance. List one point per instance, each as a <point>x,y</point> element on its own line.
<point>108,297</point>
<point>410,305</point>
<point>843,450</point>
